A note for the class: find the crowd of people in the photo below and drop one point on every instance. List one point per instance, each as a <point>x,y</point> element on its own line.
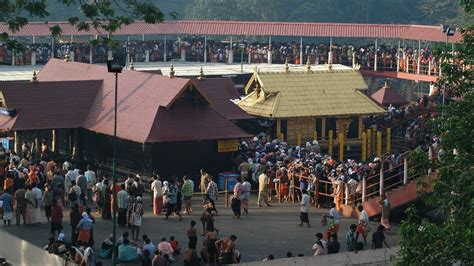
<point>32,180</point>
<point>193,50</point>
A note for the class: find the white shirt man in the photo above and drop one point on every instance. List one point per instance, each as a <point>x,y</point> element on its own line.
<point>156,187</point>
<point>39,196</point>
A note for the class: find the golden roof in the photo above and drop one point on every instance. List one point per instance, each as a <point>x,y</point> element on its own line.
<point>299,94</point>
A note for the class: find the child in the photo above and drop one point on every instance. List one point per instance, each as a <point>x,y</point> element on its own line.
<point>175,246</point>
<point>192,235</point>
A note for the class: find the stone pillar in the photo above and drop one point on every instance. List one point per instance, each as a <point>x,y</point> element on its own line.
<point>269,55</point>
<point>164,50</point>
<point>90,54</point>
<point>205,48</point>
<point>71,54</point>
<point>147,56</point>
<point>33,57</point>
<point>301,51</point>
<point>375,56</point>
<point>354,59</point>
<point>230,59</point>
<point>13,57</point>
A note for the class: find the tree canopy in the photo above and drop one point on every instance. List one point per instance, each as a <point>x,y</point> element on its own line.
<point>424,242</point>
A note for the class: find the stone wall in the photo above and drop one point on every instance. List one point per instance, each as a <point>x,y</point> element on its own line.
<point>385,256</point>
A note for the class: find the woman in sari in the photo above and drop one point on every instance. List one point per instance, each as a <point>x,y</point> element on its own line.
<point>84,228</point>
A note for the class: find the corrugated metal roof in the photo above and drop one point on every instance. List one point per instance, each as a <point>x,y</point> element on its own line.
<point>299,94</point>
<point>251,28</point>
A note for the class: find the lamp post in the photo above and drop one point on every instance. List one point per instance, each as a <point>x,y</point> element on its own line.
<point>116,68</point>
<point>448,31</point>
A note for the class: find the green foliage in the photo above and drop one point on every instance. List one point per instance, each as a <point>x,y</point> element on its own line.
<point>419,161</point>
<point>106,16</point>
<point>423,242</point>
<point>362,11</point>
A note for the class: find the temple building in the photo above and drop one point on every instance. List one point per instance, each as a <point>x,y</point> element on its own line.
<point>164,123</point>
<point>308,104</point>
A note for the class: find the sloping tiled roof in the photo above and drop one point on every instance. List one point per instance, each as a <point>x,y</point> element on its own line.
<point>252,28</point>
<point>185,122</point>
<point>140,95</point>
<point>48,105</point>
<point>220,92</point>
<point>386,96</point>
<point>300,94</point>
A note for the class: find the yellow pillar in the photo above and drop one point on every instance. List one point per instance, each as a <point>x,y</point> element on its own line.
<point>361,127</point>
<point>315,135</point>
<point>364,146</point>
<point>282,137</point>
<point>341,146</point>
<point>323,128</point>
<point>389,139</point>
<point>53,140</point>
<point>379,143</point>
<point>331,141</point>
<point>298,139</point>
<point>369,142</point>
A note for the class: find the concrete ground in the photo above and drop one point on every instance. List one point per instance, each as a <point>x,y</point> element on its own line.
<point>273,230</point>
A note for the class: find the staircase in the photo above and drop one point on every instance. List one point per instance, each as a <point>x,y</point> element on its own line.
<point>399,196</point>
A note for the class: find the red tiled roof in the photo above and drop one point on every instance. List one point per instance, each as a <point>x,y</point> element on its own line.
<point>48,105</point>
<point>220,92</point>
<point>252,28</point>
<point>386,96</point>
<point>140,95</point>
<point>185,122</point>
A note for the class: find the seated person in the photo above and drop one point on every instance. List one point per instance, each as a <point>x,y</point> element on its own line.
<point>127,252</point>
<point>107,247</point>
<point>175,246</point>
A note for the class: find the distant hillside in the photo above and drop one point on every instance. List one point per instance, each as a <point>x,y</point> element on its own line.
<point>360,11</point>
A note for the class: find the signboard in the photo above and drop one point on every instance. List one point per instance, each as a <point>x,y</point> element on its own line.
<point>227,145</point>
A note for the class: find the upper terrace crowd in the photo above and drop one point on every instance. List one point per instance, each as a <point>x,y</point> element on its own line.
<point>194,49</point>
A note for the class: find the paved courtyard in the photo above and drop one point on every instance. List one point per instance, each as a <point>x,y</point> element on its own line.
<point>264,231</point>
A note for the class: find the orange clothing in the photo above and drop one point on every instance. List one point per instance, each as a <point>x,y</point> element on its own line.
<point>7,183</point>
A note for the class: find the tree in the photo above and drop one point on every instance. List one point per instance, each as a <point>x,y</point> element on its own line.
<point>424,242</point>
<point>105,15</point>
